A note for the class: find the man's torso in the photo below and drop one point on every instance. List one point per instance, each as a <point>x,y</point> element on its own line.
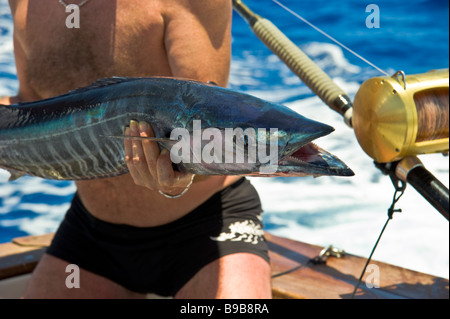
<point>115,38</point>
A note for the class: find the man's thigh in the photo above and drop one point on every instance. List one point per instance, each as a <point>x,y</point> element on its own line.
<point>53,279</point>
<point>234,276</point>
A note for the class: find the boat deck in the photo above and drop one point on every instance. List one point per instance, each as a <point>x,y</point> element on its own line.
<point>295,270</point>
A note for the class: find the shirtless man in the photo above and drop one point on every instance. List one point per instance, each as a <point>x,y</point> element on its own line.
<point>126,237</point>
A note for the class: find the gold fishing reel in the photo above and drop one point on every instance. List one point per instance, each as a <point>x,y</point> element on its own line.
<point>400,116</point>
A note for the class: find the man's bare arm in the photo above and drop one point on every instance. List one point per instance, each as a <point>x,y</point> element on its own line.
<point>198,39</point>
<point>198,46</point>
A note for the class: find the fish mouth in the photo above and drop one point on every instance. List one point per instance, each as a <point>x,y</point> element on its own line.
<point>311,160</point>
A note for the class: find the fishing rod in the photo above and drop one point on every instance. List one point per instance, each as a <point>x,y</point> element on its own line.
<point>394,119</point>
<point>300,64</point>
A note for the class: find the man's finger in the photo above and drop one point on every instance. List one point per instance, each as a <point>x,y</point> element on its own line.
<point>138,152</point>
<point>128,145</point>
<point>151,149</point>
<point>165,169</point>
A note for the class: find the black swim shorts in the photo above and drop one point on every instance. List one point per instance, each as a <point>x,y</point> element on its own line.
<point>162,259</point>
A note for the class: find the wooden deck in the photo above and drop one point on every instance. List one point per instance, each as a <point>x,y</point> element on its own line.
<point>337,278</point>
<point>294,275</point>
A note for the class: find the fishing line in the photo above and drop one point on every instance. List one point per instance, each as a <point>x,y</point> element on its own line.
<point>400,187</point>
<point>329,36</point>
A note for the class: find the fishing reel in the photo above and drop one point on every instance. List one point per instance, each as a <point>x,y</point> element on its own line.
<point>396,118</point>
<point>400,116</point>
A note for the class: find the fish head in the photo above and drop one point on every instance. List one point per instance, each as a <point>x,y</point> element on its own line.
<point>286,148</point>
<point>260,138</point>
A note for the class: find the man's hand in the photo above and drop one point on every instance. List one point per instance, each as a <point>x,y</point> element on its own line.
<point>150,167</point>
<point>8,100</point>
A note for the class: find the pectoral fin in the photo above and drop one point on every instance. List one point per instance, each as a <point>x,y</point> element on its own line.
<point>165,142</point>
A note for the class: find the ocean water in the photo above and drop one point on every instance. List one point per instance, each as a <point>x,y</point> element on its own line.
<point>345,212</point>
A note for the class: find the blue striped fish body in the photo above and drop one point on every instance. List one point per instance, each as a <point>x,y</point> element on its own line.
<point>66,137</point>
<point>69,137</point>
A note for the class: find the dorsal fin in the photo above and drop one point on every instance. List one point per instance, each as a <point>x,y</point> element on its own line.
<point>102,83</point>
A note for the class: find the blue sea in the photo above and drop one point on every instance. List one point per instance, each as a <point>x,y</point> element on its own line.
<point>348,213</point>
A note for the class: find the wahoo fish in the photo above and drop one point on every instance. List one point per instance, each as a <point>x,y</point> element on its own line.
<point>79,135</point>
